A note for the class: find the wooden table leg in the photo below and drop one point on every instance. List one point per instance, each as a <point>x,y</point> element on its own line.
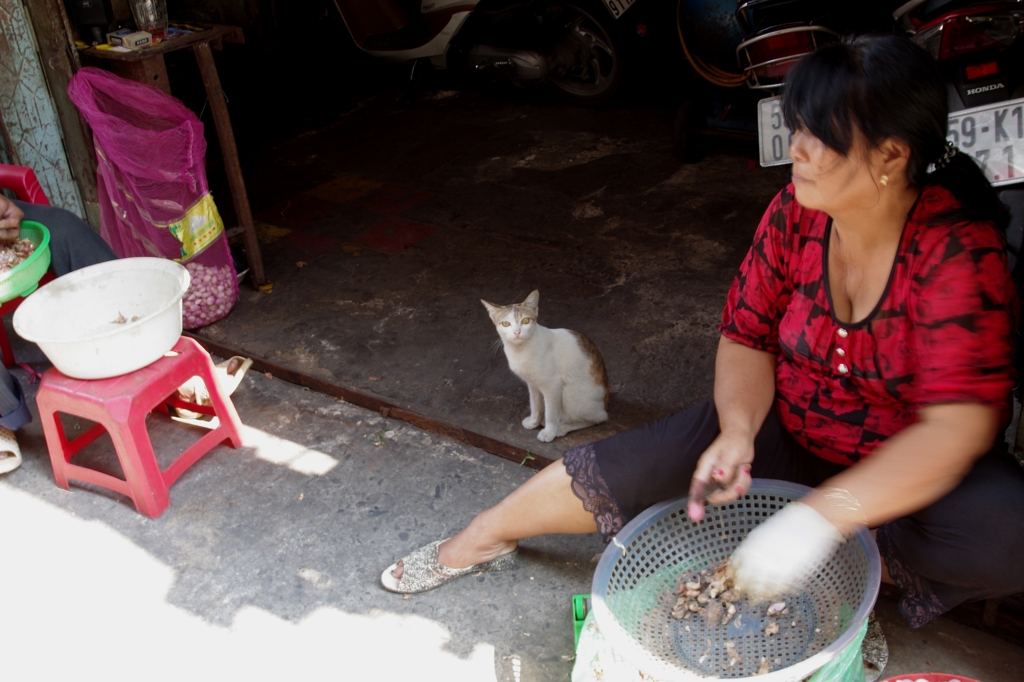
<point>151,70</point>
<point>219,109</point>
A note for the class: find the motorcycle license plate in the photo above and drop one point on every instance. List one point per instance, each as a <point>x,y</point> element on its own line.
<point>772,134</point>
<point>618,7</point>
<point>992,134</point>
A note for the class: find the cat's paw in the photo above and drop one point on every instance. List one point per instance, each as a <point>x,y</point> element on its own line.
<point>546,435</point>
<point>531,423</point>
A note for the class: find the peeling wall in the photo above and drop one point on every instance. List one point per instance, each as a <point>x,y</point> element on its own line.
<point>27,110</point>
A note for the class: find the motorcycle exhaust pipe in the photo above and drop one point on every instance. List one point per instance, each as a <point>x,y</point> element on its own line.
<point>524,66</point>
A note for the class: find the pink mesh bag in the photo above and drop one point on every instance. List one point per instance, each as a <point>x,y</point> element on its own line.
<point>151,177</point>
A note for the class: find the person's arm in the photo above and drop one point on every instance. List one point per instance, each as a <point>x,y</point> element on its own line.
<point>962,307</point>
<point>10,219</point>
<point>908,472</point>
<point>746,358</point>
<point>912,469</point>
<point>744,392</point>
<point>744,387</point>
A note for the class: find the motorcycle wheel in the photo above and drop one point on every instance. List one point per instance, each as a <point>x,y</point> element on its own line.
<point>588,57</point>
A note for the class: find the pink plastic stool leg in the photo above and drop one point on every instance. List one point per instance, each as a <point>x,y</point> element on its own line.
<point>138,460</point>
<point>56,441</point>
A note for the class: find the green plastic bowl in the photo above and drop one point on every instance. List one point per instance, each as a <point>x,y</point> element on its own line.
<point>22,279</point>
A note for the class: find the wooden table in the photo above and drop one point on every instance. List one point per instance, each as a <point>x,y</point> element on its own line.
<point>147,66</point>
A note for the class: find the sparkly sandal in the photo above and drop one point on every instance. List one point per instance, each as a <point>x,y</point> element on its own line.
<point>874,650</point>
<point>10,452</point>
<point>421,572</point>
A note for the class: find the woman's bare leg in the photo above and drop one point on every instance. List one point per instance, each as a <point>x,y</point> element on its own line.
<point>544,504</point>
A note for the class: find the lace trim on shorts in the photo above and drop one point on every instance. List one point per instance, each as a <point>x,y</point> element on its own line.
<point>918,604</point>
<point>588,485</point>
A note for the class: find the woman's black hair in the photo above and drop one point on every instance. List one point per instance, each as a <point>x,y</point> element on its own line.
<point>887,87</point>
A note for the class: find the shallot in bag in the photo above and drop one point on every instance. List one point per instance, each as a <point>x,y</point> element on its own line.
<point>153,195</point>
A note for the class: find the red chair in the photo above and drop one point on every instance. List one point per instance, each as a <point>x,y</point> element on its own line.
<point>23,182</point>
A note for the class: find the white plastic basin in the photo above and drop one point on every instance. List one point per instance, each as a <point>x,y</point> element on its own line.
<point>107,319</point>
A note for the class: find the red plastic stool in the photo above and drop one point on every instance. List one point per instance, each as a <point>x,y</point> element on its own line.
<point>119,407</point>
<point>929,677</point>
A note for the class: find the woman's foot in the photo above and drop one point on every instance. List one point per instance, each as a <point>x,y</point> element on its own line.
<point>874,650</point>
<point>463,551</point>
<point>543,505</point>
<point>420,571</point>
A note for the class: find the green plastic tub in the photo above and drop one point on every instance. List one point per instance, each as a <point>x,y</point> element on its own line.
<point>23,279</point>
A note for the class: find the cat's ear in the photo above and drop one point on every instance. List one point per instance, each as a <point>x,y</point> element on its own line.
<point>492,309</point>
<point>533,300</point>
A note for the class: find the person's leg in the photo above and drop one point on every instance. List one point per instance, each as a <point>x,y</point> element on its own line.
<point>13,415</point>
<point>544,504</point>
<point>73,244</point>
<point>568,495</point>
<point>563,498</point>
<point>601,486</point>
<point>9,394</point>
<point>967,546</point>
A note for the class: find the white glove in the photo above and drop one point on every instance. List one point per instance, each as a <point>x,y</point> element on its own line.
<point>782,551</point>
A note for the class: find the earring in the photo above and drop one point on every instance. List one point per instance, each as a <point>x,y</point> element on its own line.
<point>884,180</point>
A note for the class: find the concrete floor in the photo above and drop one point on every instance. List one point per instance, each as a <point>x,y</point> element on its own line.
<point>510,193</point>
<point>265,566</point>
<point>266,563</point>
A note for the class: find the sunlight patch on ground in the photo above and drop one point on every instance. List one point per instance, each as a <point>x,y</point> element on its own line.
<point>296,457</point>
<point>79,598</point>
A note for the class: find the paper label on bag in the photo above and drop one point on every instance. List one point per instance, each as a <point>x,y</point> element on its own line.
<point>198,228</point>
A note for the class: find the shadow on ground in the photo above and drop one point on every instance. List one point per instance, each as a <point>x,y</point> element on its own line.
<point>267,561</point>
<point>294,529</point>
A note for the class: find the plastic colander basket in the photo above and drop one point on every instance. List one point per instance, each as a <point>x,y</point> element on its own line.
<point>634,592</point>
<point>22,279</point>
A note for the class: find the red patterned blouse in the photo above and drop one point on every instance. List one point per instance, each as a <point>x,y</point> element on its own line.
<point>940,333</point>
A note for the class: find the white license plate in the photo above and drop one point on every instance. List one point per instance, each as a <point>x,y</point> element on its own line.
<point>993,135</point>
<point>618,7</point>
<point>772,133</point>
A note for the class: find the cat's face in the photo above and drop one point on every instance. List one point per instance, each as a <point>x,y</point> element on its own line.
<point>515,323</point>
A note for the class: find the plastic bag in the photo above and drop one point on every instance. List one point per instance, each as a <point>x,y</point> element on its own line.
<point>597,661</point>
<point>151,178</point>
<point>848,665</point>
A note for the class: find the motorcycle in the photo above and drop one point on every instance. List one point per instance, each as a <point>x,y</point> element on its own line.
<point>765,38</point>
<point>576,46</point>
<point>978,45</point>
<point>980,49</point>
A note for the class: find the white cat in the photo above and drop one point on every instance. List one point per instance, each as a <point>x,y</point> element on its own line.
<point>562,368</point>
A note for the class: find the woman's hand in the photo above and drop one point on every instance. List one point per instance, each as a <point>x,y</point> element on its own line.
<point>10,219</point>
<point>723,472</point>
<point>777,555</point>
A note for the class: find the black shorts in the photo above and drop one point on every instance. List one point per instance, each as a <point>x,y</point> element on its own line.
<point>967,546</point>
